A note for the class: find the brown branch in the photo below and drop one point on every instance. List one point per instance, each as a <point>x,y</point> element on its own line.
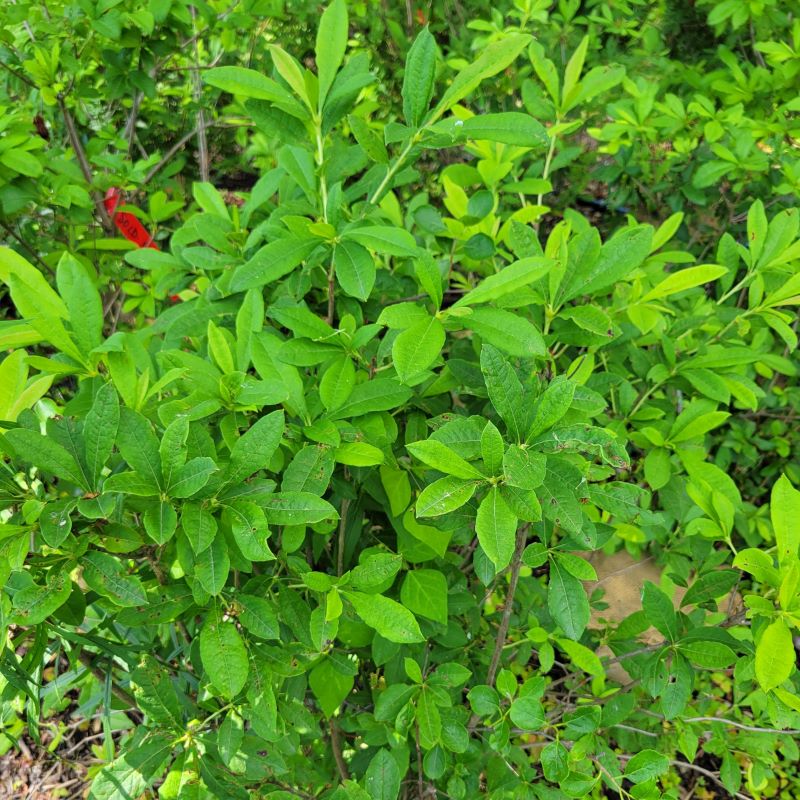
<point>336,746</point>
<point>83,162</point>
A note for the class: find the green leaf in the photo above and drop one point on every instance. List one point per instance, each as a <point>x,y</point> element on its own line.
<point>785,514</point>
<point>554,759</point>
<point>505,390</point>
<point>508,332</point>
<point>496,528</point>
<point>330,686</point>
<point>685,279</point>
<point>386,616</point>
<point>424,592</point>
<point>191,477</point>
<point>34,604</point>
<point>419,77</point>
<point>224,656</point>
<point>428,719</point>
<point>258,616</point>
<point>376,572</point>
<point>209,199</point>
<point>254,449</point>
<point>212,565</point>
<point>509,279</point>
<point>139,446</point>
<point>659,611</point>
<point>551,406</point>
<point>100,430</point>
<point>494,58</point>
<point>297,508</point>
<point>273,261</point>
<point>337,383</point>
<point>567,601</point>
<point>524,468</point>
<point>509,127</point>
<point>83,303</point>
<point>199,526</point>
<point>382,779</point>
<point>155,694</point>
<point>106,576</point>
<point>379,394</point>
<point>711,586</point>
<point>775,655</point>
<point>417,347</point>
<point>645,765</point>
<point>359,454</point>
<point>160,521</point>
<point>444,495</point>
<point>331,45</point>
<point>384,239</point>
<point>619,257</point>
<point>355,269</point>
<point>45,454</point>
<point>134,771</point>
<point>245,83</point>
<point>440,457</point>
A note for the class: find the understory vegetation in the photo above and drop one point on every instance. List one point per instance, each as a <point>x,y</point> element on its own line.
<point>401,400</point>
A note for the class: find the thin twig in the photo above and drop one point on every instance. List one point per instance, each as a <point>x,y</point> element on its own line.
<point>342,536</point>
<point>202,141</point>
<point>83,162</point>
<point>336,746</point>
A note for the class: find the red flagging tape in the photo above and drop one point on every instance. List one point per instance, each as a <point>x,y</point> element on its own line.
<point>128,225</point>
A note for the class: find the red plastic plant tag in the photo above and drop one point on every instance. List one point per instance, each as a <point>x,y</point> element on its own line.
<point>128,225</point>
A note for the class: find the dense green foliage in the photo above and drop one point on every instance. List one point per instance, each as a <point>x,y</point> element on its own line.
<point>446,303</point>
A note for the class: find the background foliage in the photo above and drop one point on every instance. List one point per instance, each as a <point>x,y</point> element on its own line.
<point>447,303</point>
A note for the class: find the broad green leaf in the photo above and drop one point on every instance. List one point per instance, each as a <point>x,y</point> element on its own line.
<point>309,471</point>
<point>100,430</point>
<point>444,495</point>
<point>379,394</point>
<point>83,303</point>
<point>711,586</point>
<point>492,447</point>
<point>551,406</point>
<point>273,261</point>
<point>155,693</point>
<point>160,520</point>
<point>38,297</point>
<point>331,45</point>
<point>505,390</point>
<point>139,446</point>
<point>417,347</point>
<point>440,457</point>
<point>659,611</point>
<point>386,616</point>
<point>382,779</point>
<point>758,564</point>
<point>509,127</point>
<point>785,514</point>
<point>106,576</point>
<point>46,454</point>
<point>290,70</point>
<point>297,508</point>
<point>428,719</point>
<point>524,468</point>
<point>645,765</point>
<point>359,454</point>
<point>199,525</point>
<point>619,257</point>
<point>213,565</point>
<point>133,771</point>
<point>494,58</point>
<point>775,655</point>
<point>34,603</point>
<point>330,686</point>
<point>255,448</point>
<point>246,83</point>
<point>419,77</point>
<point>209,199</point>
<point>224,656</point>
<point>337,383</point>
<point>509,279</point>
<point>355,269</point>
<point>173,450</point>
<point>567,601</point>
<point>384,239</point>
<point>496,528</point>
<point>685,279</point>
<point>376,572</point>
<point>508,332</point>
<point>191,477</point>
<point>424,592</point>
<point>258,616</point>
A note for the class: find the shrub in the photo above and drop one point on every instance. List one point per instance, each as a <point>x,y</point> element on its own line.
<point>318,516</point>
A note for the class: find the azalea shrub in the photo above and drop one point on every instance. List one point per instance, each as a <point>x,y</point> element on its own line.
<point>305,496</point>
